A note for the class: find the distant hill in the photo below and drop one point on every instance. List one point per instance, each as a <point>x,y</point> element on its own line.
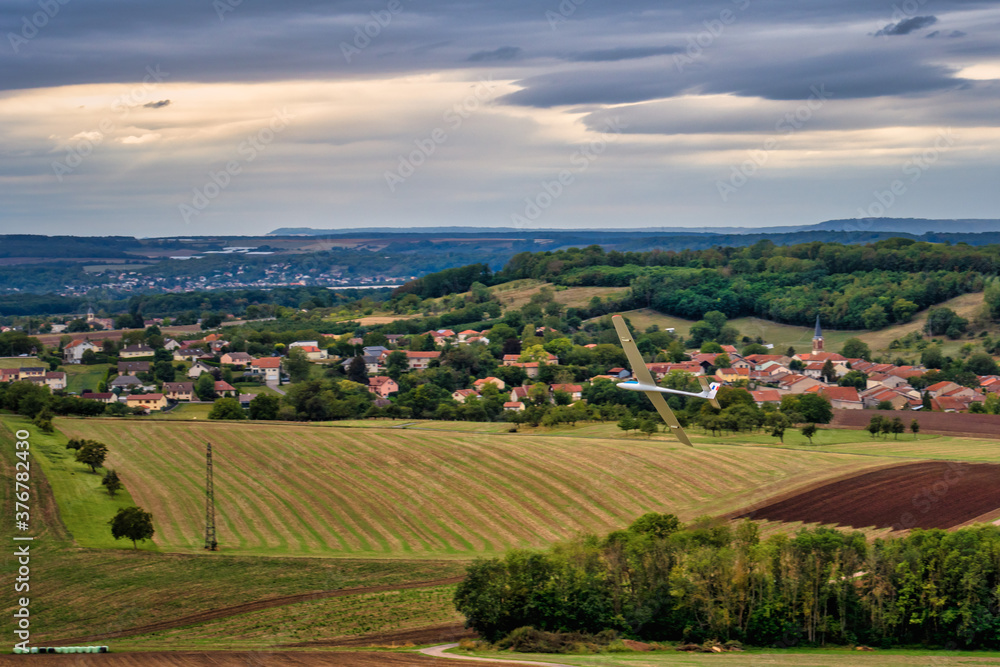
<point>909,226</point>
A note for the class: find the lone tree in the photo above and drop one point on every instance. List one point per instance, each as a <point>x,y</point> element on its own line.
<point>875,425</point>
<point>627,423</point>
<point>777,423</point>
<point>648,426</point>
<point>132,523</point>
<point>93,454</point>
<point>112,483</point>
<point>915,428</point>
<point>897,427</point>
<point>809,430</point>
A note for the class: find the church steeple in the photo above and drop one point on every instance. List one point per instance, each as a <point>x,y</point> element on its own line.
<point>818,337</point>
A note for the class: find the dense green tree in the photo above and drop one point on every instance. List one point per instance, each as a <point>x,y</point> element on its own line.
<point>982,364</point>
<point>265,407</point>
<point>164,371</point>
<point>93,454</point>
<point>357,371</point>
<point>875,317</point>
<point>855,379</point>
<point>204,387</point>
<point>648,426</point>
<point>628,423</point>
<point>855,348</point>
<point>809,431</point>
<point>932,357</point>
<point>297,365</point>
<point>903,309</point>
<point>828,372</point>
<point>777,423</point>
<point>112,483</point>
<point>132,523</point>
<point>227,409</point>
<point>396,364</point>
<point>815,408</point>
<point>991,296</point>
<point>945,321</point>
<point>655,525</point>
<point>43,420</point>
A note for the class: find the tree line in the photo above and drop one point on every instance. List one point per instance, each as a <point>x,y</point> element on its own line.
<point>708,580</point>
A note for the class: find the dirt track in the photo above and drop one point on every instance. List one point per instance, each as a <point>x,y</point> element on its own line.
<point>236,659</point>
<point>932,494</point>
<point>938,423</point>
<point>223,612</point>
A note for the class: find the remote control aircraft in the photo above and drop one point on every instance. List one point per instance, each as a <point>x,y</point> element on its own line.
<point>645,383</point>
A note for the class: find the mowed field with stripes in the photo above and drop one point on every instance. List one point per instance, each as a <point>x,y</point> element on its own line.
<point>314,491</point>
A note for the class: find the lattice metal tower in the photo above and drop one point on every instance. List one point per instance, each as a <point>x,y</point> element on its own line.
<point>210,542</point>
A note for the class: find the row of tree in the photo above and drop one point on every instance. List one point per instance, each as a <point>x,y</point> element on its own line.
<point>659,580</point>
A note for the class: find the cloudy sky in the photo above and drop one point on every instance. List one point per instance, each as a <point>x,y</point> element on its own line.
<point>240,116</point>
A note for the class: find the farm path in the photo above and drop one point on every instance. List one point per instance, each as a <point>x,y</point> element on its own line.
<point>439,652</point>
<point>224,612</point>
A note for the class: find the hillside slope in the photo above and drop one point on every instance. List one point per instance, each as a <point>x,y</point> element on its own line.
<point>305,490</point>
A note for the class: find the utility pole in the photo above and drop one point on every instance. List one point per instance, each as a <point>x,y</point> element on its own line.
<point>210,542</point>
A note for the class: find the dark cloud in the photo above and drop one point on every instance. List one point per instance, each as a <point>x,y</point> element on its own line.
<point>847,75</point>
<point>503,53</point>
<point>906,26</point>
<point>624,53</point>
<point>156,105</point>
<point>952,34</point>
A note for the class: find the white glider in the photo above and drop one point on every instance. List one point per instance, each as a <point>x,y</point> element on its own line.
<point>645,382</point>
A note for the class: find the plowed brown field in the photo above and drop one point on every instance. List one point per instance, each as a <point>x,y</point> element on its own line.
<point>940,423</point>
<point>916,495</point>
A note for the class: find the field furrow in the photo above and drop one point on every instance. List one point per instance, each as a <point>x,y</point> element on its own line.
<point>308,490</point>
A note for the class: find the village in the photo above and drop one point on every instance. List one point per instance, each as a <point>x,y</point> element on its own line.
<point>148,379</point>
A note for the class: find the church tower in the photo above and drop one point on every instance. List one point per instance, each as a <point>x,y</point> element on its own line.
<point>818,338</point>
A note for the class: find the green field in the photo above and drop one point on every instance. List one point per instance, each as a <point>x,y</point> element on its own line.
<point>304,490</point>
<point>783,336</point>
<point>77,591</point>
<point>21,362</point>
<point>353,615</point>
<point>183,411</point>
<point>83,502</point>
<point>395,505</point>
<point>80,377</point>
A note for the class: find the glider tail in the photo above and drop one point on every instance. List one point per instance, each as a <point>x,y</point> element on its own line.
<point>710,390</point>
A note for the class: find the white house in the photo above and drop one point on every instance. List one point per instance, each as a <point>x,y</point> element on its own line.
<point>73,353</point>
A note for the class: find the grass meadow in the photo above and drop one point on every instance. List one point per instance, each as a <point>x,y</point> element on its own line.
<point>414,493</point>
<point>783,336</point>
<point>371,504</point>
<point>84,590</point>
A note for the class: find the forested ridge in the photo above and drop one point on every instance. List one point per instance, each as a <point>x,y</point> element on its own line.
<point>849,286</point>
